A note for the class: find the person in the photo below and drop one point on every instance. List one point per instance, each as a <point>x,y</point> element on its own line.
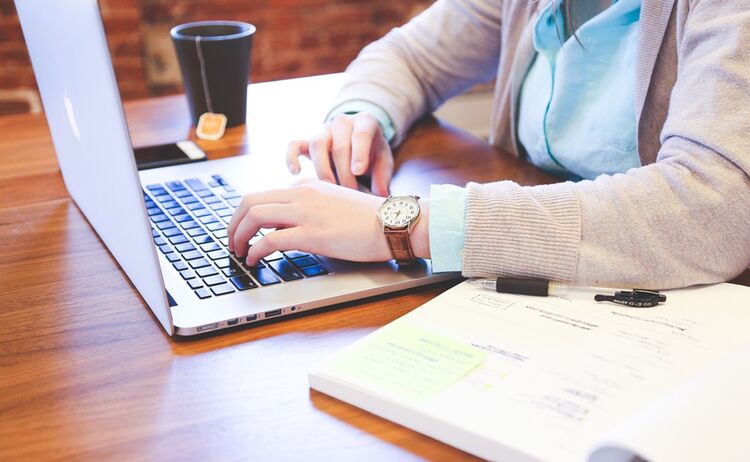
<point>640,105</point>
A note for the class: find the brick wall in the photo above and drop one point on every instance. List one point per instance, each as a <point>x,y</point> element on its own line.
<point>295,38</point>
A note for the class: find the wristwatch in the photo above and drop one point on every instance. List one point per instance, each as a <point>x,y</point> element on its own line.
<point>398,215</point>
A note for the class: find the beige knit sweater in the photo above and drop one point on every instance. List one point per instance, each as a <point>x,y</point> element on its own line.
<point>683,218</point>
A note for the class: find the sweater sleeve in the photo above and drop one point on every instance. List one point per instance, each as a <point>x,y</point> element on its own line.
<point>681,221</point>
<point>451,46</point>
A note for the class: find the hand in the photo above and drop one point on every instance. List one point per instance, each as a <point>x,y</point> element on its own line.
<point>317,217</point>
<point>351,145</point>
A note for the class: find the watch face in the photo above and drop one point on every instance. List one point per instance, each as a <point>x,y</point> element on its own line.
<point>399,211</point>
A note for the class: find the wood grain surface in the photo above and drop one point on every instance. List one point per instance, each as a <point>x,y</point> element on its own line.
<point>86,372</point>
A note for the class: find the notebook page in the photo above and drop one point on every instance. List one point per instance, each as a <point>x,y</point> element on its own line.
<point>557,373</point>
<point>704,419</point>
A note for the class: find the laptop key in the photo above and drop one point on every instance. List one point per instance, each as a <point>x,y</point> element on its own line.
<point>182,218</point>
<point>189,224</point>
<point>159,217</point>
<point>179,265</point>
<point>153,211</point>
<point>312,271</point>
<point>178,239</point>
<point>231,195</point>
<point>155,186</point>
<point>220,233</point>
<point>201,211</point>
<point>210,247</point>
<point>200,263</point>
<point>195,283</point>
<point>224,241</point>
<point>195,184</point>
<point>203,239</point>
<point>165,248</point>
<point>225,212</point>
<point>206,272</point>
<point>191,200</point>
<point>232,270</point>
<point>223,262</point>
<point>183,193</point>
<point>187,274</point>
<point>204,193</point>
<point>218,206</point>
<point>265,276</point>
<point>216,226</point>
<point>162,225</point>
<point>217,254</point>
<point>159,241</point>
<point>203,293</point>
<point>274,256</point>
<point>222,289</point>
<point>213,280</point>
<point>154,232</point>
<point>285,269</point>
<point>163,197</point>
<point>176,211</point>
<point>196,232</point>
<point>192,255</point>
<point>185,247</point>
<point>243,282</point>
<point>175,185</point>
<point>172,257</point>
<point>302,261</point>
<point>211,199</point>
<point>235,201</point>
<point>208,219</point>
<point>170,204</point>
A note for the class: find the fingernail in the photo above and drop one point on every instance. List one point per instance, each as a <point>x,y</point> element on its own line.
<point>357,167</point>
<point>294,169</point>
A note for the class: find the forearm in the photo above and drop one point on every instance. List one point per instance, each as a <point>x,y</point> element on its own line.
<point>679,222</point>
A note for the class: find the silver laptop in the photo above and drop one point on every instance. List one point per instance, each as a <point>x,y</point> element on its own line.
<point>167,227</point>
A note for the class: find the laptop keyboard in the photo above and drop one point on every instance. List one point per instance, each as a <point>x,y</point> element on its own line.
<point>189,224</point>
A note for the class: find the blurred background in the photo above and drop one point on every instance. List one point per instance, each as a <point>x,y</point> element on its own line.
<point>295,38</point>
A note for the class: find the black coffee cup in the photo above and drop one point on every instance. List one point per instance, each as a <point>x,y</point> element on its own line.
<point>214,58</point>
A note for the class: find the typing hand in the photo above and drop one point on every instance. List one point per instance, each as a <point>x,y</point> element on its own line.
<point>350,146</point>
<point>312,216</point>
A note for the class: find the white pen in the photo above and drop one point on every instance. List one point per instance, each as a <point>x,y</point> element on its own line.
<point>637,298</point>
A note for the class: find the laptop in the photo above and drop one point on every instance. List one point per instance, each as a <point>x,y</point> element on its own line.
<point>166,227</point>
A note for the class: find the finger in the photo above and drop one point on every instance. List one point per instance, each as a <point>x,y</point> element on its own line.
<point>363,132</point>
<point>320,145</point>
<point>293,151</point>
<point>341,131</point>
<point>281,239</point>
<point>273,196</point>
<point>262,216</point>
<point>382,169</point>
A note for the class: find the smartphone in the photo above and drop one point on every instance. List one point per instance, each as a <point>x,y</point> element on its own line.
<point>163,155</point>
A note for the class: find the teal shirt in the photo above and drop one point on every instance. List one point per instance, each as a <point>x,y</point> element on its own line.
<point>576,114</point>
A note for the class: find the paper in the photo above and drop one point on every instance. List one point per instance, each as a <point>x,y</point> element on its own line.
<point>557,374</point>
<point>410,362</point>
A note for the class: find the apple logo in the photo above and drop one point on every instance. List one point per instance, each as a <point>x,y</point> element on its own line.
<point>71,115</point>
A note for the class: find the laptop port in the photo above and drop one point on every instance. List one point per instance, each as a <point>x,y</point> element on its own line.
<point>272,313</point>
<point>232,322</point>
<point>251,318</point>
<point>207,327</point>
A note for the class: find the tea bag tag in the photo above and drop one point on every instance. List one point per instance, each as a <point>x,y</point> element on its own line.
<point>211,126</point>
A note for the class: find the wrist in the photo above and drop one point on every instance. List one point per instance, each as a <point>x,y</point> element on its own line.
<point>420,235</point>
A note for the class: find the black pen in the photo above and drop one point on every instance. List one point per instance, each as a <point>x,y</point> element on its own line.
<point>636,298</point>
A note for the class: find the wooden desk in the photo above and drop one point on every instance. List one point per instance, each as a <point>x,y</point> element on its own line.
<point>87,373</point>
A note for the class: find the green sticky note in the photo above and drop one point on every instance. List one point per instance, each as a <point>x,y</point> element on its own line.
<point>408,362</point>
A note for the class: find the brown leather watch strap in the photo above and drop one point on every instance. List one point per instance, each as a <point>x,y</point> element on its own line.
<point>398,242</point>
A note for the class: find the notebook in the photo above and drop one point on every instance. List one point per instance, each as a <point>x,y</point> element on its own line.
<point>509,377</point>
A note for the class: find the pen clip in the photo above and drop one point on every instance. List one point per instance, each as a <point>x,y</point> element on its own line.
<point>636,298</point>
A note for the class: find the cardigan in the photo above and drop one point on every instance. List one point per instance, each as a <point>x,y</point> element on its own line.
<point>683,218</point>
